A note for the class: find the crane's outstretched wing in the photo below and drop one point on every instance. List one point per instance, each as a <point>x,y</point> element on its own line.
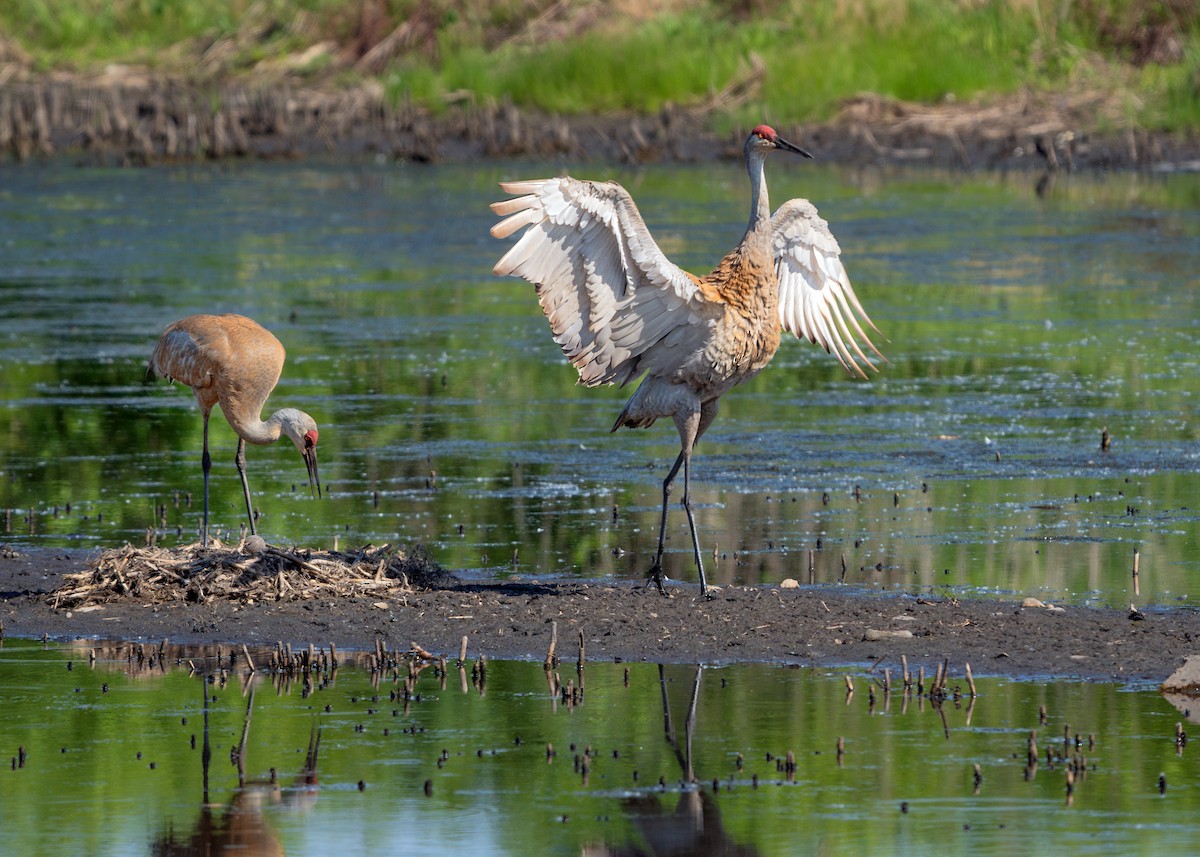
<point>816,300</point>
<point>616,305</point>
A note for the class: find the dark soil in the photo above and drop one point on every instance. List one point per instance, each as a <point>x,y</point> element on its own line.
<point>132,117</point>
<point>808,626</point>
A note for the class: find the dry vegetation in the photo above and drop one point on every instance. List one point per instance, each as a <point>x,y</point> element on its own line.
<point>972,82</point>
<point>201,575</point>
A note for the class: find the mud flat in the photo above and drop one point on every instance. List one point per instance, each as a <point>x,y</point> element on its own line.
<point>514,619</point>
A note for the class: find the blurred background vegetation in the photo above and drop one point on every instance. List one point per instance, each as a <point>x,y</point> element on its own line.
<point>737,59</point>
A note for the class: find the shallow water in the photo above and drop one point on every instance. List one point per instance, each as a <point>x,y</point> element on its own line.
<point>110,767</point>
<point>1018,326</point>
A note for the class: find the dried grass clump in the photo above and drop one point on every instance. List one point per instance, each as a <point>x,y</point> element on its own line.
<point>890,126</point>
<point>196,574</point>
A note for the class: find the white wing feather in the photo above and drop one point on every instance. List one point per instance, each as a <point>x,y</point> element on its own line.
<point>615,303</point>
<point>816,300</point>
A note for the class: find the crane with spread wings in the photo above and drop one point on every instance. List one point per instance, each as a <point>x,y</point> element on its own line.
<point>620,309</point>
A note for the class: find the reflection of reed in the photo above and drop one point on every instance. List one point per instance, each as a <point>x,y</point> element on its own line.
<point>141,660</point>
<point>694,826</point>
<point>239,826</point>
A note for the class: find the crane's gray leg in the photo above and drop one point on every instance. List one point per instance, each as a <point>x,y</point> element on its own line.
<point>240,461</point>
<point>687,507</point>
<point>691,426</point>
<point>708,412</point>
<point>656,570</point>
<point>206,466</point>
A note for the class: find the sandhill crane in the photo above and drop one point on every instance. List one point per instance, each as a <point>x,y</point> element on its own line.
<point>619,309</point>
<point>232,361</point>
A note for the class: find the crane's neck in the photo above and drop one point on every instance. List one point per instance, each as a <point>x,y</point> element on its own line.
<point>262,433</point>
<point>758,230</point>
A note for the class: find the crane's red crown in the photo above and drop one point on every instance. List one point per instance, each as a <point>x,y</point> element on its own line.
<point>766,132</point>
<point>310,438</point>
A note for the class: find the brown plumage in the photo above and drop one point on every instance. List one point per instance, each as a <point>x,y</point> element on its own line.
<point>620,310</point>
<point>234,362</point>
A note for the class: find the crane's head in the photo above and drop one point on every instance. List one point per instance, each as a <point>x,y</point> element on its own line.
<point>763,139</point>
<point>301,429</point>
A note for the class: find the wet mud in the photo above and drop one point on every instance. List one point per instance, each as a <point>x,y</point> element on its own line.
<point>515,619</point>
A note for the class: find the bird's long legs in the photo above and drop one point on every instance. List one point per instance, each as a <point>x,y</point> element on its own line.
<point>240,461</point>
<point>656,573</point>
<point>206,466</point>
<point>691,427</point>
<point>687,507</point>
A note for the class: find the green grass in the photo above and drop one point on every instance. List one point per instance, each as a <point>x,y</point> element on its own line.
<point>815,54</point>
<point>813,62</point>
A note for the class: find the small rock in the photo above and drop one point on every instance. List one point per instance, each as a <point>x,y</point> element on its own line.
<point>1186,679</point>
<point>789,583</point>
<point>874,636</point>
<point>1033,602</point>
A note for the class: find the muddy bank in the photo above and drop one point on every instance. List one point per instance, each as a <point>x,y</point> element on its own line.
<point>129,117</point>
<point>806,626</point>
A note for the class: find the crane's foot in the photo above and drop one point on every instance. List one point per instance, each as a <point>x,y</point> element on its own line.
<point>710,592</point>
<point>657,577</point>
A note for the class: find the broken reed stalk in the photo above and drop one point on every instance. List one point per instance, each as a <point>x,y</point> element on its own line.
<point>970,680</point>
<point>462,651</point>
<point>1136,557</point>
<point>550,660</point>
<point>849,684</point>
<point>940,678</point>
<point>249,660</point>
<point>582,651</point>
<point>907,675</point>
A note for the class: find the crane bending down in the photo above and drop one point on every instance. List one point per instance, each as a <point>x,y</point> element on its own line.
<point>234,362</point>
<point>619,309</point>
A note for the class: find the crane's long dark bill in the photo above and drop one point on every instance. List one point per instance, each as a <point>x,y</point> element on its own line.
<point>784,144</point>
<point>314,478</point>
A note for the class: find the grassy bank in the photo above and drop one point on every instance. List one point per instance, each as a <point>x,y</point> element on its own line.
<point>788,60</point>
